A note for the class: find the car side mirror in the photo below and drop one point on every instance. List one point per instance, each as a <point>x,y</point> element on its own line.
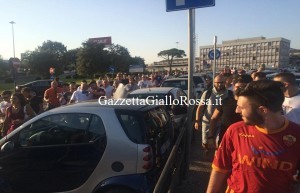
<point>8,146</point>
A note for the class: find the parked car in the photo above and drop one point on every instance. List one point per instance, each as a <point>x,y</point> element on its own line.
<point>170,96</point>
<point>199,79</point>
<point>38,87</point>
<point>183,84</point>
<point>105,148</point>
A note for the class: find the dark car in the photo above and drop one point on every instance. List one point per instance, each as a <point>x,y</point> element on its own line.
<point>172,97</point>
<point>38,87</point>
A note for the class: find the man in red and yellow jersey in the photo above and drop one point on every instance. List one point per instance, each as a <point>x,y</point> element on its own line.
<point>261,153</point>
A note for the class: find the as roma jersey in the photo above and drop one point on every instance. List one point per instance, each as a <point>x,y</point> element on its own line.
<point>258,160</point>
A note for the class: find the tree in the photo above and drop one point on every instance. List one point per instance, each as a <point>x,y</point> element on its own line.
<point>41,62</point>
<point>50,54</point>
<point>69,59</point>
<point>55,48</point>
<point>91,58</point>
<point>3,67</point>
<point>137,60</point>
<point>119,57</point>
<point>170,54</point>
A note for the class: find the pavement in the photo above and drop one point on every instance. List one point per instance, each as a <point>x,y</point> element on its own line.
<point>199,169</point>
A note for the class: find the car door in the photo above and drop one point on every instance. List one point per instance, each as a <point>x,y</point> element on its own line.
<point>55,153</point>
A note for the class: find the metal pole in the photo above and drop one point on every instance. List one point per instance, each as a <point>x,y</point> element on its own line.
<point>13,35</point>
<point>14,70</point>
<point>215,61</point>
<point>190,88</point>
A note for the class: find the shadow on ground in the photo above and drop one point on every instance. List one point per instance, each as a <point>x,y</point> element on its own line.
<point>199,170</point>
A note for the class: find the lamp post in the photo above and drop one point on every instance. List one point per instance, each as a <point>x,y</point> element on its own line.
<point>12,28</point>
<point>13,60</point>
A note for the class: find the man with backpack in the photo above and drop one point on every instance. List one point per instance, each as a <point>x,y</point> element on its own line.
<point>225,113</point>
<point>207,106</point>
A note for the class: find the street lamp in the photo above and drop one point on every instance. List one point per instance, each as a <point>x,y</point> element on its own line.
<point>12,27</point>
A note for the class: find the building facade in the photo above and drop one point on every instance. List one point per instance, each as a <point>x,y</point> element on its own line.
<point>295,58</point>
<point>245,53</point>
<point>249,53</point>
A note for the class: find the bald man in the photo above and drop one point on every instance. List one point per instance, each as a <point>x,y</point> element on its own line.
<point>212,97</point>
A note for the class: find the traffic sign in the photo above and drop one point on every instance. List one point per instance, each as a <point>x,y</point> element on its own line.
<point>211,54</point>
<point>111,69</point>
<point>176,5</point>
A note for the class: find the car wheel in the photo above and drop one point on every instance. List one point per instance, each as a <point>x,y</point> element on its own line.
<point>119,190</point>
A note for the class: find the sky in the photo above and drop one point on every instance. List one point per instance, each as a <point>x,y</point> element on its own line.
<point>142,26</point>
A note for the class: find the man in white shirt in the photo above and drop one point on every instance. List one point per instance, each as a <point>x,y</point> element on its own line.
<point>291,104</point>
<point>108,89</point>
<point>144,83</point>
<point>5,103</point>
<point>81,95</point>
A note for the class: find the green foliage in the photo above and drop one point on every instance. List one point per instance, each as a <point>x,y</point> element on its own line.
<point>3,68</point>
<point>50,54</point>
<point>40,62</point>
<point>94,58</point>
<point>55,48</point>
<point>69,59</point>
<point>170,54</point>
<point>137,60</point>
<point>119,58</point>
<point>91,59</point>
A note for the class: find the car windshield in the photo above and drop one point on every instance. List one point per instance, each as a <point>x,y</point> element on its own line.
<point>183,84</point>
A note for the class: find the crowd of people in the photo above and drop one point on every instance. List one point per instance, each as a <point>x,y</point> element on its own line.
<point>255,130</point>
<point>19,107</point>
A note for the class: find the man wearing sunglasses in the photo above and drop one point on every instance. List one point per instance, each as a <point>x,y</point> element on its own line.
<point>260,153</point>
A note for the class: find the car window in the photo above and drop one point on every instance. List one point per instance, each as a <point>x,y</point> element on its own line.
<point>132,127</point>
<point>42,83</point>
<point>183,84</point>
<point>156,121</point>
<point>58,129</point>
<point>197,80</point>
<point>180,93</point>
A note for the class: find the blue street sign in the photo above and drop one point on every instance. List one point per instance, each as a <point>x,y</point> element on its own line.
<point>111,69</point>
<point>175,5</point>
<point>211,54</point>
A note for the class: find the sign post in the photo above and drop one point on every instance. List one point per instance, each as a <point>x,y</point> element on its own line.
<point>14,64</point>
<point>175,5</point>
<point>215,58</point>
